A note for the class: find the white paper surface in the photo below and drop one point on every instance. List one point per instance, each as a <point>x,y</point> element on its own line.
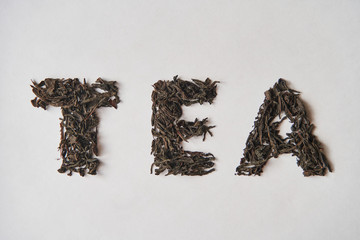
<point>247,45</point>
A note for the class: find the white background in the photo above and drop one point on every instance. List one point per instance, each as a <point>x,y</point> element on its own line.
<point>247,45</point>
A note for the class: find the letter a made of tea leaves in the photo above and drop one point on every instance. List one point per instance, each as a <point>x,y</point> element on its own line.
<point>264,141</point>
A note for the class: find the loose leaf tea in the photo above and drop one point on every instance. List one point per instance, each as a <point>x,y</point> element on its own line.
<point>79,125</point>
<point>169,131</point>
<point>264,141</point>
